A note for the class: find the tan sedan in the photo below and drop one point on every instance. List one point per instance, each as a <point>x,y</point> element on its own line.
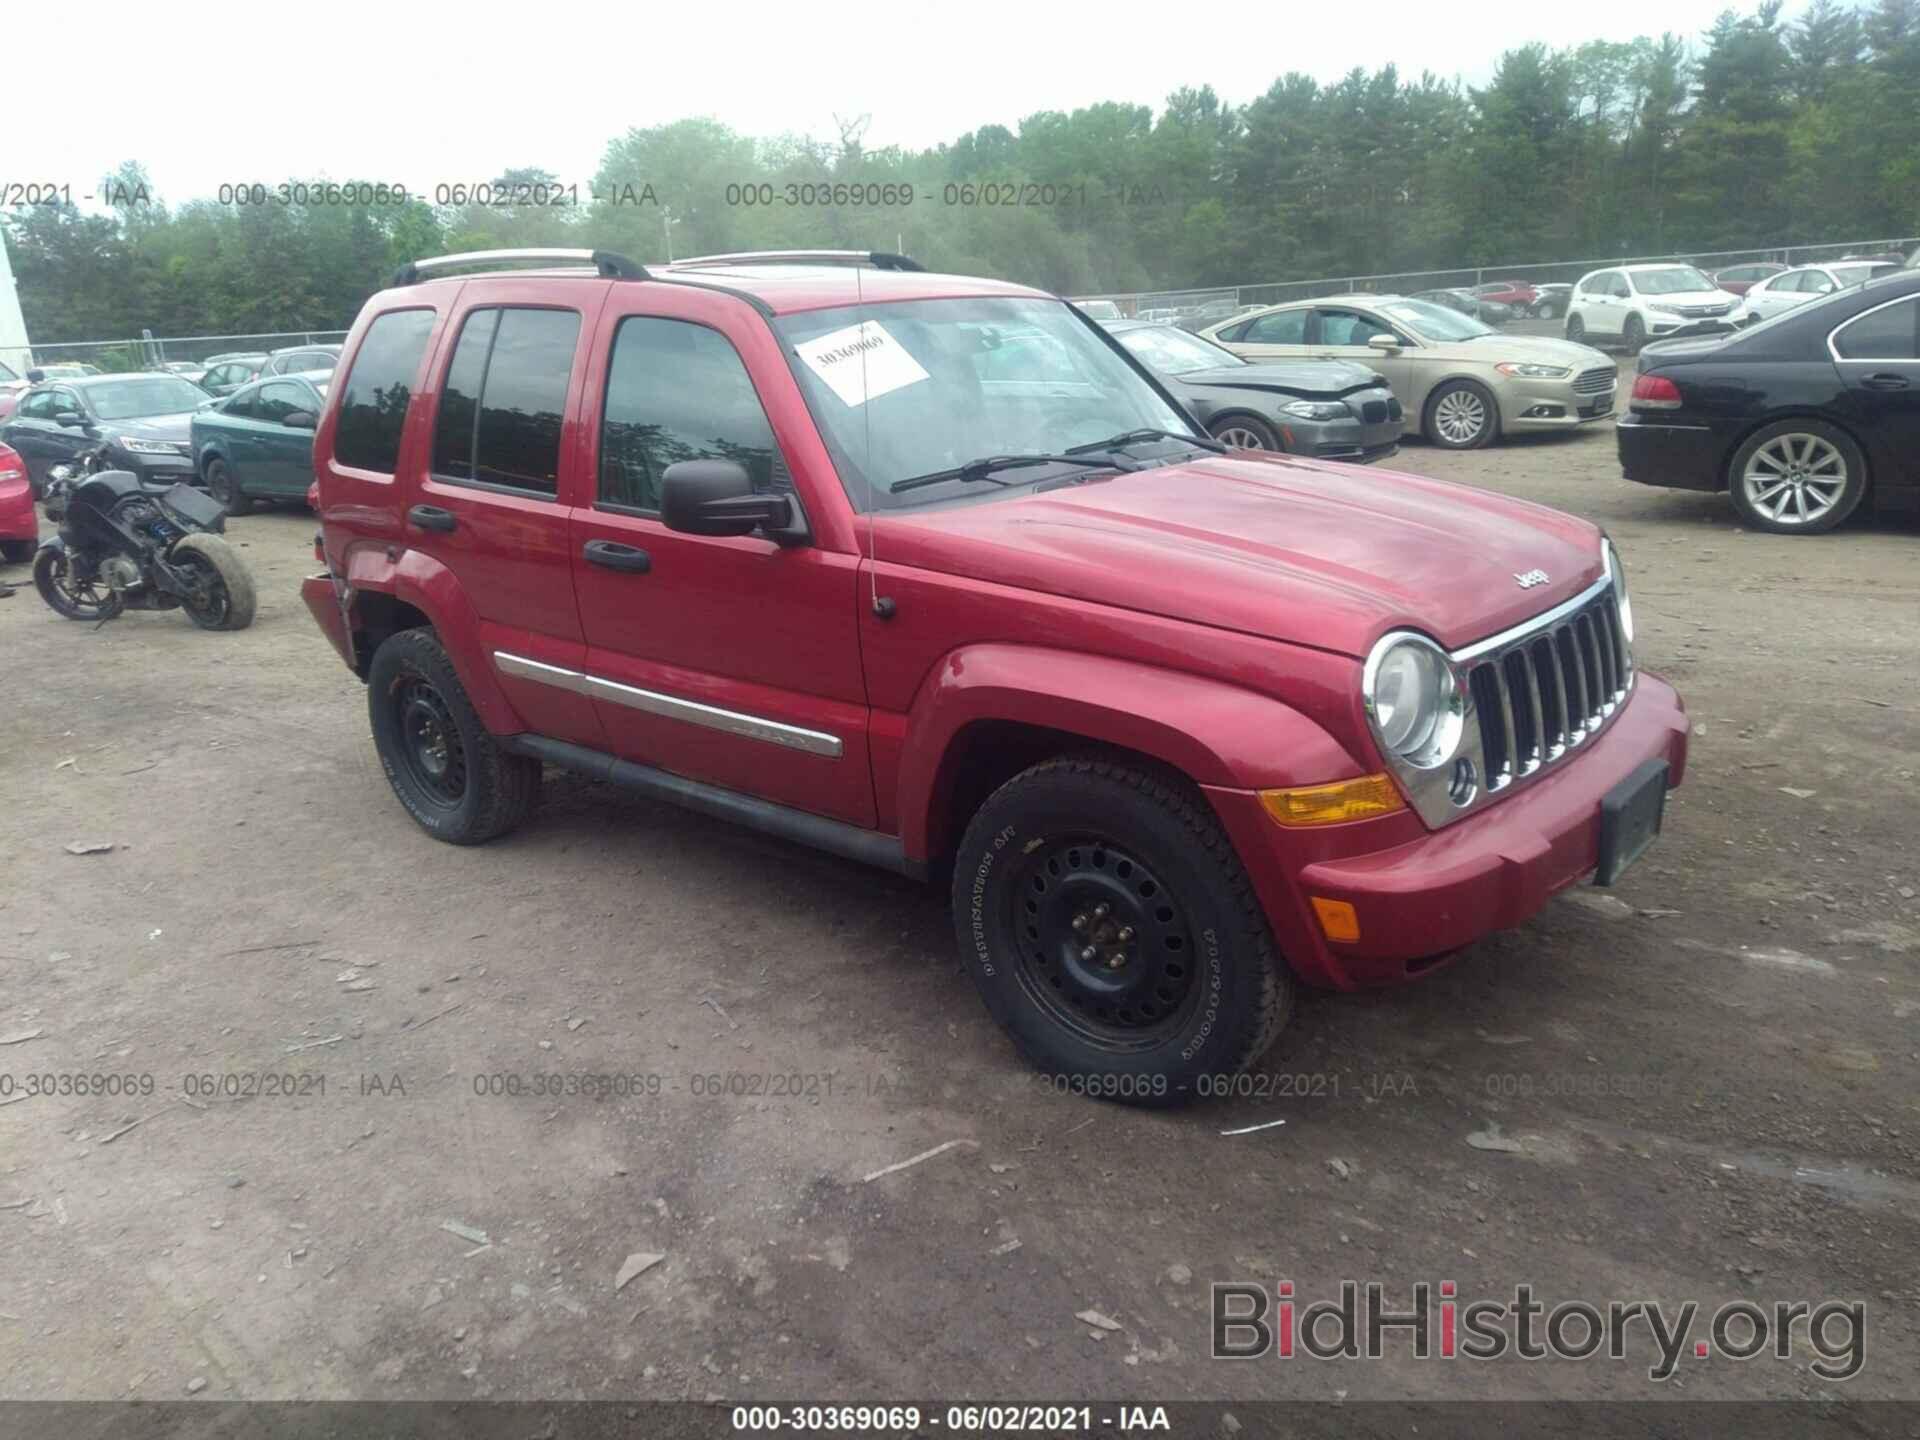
<point>1462,383</point>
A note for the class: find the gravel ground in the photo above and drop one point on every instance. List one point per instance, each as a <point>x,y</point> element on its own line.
<point>1701,1083</point>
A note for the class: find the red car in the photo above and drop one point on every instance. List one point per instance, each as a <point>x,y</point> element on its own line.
<point>929,572</point>
<point>19,524</point>
<point>1516,293</point>
<point>1738,279</point>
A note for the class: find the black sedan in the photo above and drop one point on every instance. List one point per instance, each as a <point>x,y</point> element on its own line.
<point>142,419</point>
<point>1330,409</point>
<point>1798,418</point>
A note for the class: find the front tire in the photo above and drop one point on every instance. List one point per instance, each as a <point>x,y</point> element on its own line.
<point>225,599</point>
<point>1634,334</point>
<point>1797,477</point>
<point>452,776</point>
<point>1245,432</point>
<point>1462,415</point>
<point>224,486</point>
<point>1576,330</point>
<point>66,594</point>
<point>1114,934</point>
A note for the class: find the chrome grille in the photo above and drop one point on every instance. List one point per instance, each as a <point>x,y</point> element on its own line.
<point>1595,381</point>
<point>1542,692</point>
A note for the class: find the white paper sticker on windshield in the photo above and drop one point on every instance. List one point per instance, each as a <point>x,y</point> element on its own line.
<point>861,363</point>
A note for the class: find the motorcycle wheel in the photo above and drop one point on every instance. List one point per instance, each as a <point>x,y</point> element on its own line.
<point>223,599</point>
<point>68,595</point>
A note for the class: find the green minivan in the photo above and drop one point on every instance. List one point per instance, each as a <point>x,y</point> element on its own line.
<point>257,444</point>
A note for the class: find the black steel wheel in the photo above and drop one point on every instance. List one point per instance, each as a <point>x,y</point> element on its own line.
<point>1111,929</point>
<point>430,744</point>
<point>1105,947</point>
<point>452,776</point>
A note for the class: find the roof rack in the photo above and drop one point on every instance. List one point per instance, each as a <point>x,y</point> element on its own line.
<point>610,265</point>
<point>879,259</point>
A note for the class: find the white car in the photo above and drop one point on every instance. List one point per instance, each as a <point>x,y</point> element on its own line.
<point>1806,282</point>
<point>1632,304</point>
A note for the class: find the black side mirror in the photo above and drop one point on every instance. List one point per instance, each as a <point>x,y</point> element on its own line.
<point>71,419</point>
<point>716,497</point>
<point>300,420</point>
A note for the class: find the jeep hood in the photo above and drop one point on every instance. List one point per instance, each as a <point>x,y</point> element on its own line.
<point>1324,555</point>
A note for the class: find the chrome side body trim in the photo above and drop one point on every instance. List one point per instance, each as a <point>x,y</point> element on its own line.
<point>673,707</point>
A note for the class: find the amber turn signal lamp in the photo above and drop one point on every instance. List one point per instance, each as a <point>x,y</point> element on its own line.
<point>1337,918</point>
<point>1360,799</point>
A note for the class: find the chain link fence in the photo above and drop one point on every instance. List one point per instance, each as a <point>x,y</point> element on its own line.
<point>151,352</point>
<point>1222,301</point>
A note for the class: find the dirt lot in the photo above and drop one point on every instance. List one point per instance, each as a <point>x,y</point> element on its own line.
<point>1704,1080</point>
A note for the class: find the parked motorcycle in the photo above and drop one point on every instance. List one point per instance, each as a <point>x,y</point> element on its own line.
<point>124,545</point>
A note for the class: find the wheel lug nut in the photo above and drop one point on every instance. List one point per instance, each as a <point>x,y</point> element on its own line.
<point>1100,911</point>
<point>1088,954</point>
<point>1080,922</point>
<point>1126,933</point>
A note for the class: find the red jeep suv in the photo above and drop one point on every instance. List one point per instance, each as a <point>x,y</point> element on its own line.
<point>930,572</point>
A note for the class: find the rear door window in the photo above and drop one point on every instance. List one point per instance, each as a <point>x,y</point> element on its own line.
<point>373,403</point>
<point>678,391</point>
<point>504,398</point>
<point>1283,327</point>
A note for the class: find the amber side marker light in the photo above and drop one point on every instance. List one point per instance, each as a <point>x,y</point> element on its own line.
<point>1360,799</point>
<point>1337,918</point>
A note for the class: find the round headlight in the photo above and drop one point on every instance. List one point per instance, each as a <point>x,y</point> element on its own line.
<point>1414,701</point>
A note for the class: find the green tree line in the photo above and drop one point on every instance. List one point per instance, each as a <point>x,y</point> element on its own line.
<point>1769,130</point>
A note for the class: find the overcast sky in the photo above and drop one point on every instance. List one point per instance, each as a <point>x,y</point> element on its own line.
<point>425,93</point>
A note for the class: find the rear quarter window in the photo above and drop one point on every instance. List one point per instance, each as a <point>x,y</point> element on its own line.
<point>378,389</point>
<point>1890,333</point>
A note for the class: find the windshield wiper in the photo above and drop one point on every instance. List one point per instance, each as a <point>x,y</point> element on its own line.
<point>986,465</point>
<point>1134,437</point>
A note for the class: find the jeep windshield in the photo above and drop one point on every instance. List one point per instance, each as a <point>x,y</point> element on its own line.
<point>914,389</point>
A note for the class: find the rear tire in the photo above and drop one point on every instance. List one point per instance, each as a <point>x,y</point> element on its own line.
<point>1797,477</point>
<point>1084,857</point>
<point>229,602</point>
<point>18,552</point>
<point>452,776</point>
<point>223,486</point>
<point>1248,433</point>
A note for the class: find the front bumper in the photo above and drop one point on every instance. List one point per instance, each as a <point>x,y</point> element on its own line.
<point>1420,898</point>
<point>1353,439</point>
<point>1533,405</point>
<point>1680,456</point>
<point>155,469</point>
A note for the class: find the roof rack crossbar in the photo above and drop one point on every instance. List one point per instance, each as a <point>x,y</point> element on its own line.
<point>610,265</point>
<point>879,259</point>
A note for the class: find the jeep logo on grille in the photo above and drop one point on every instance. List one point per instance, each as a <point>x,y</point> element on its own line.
<point>1526,580</point>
